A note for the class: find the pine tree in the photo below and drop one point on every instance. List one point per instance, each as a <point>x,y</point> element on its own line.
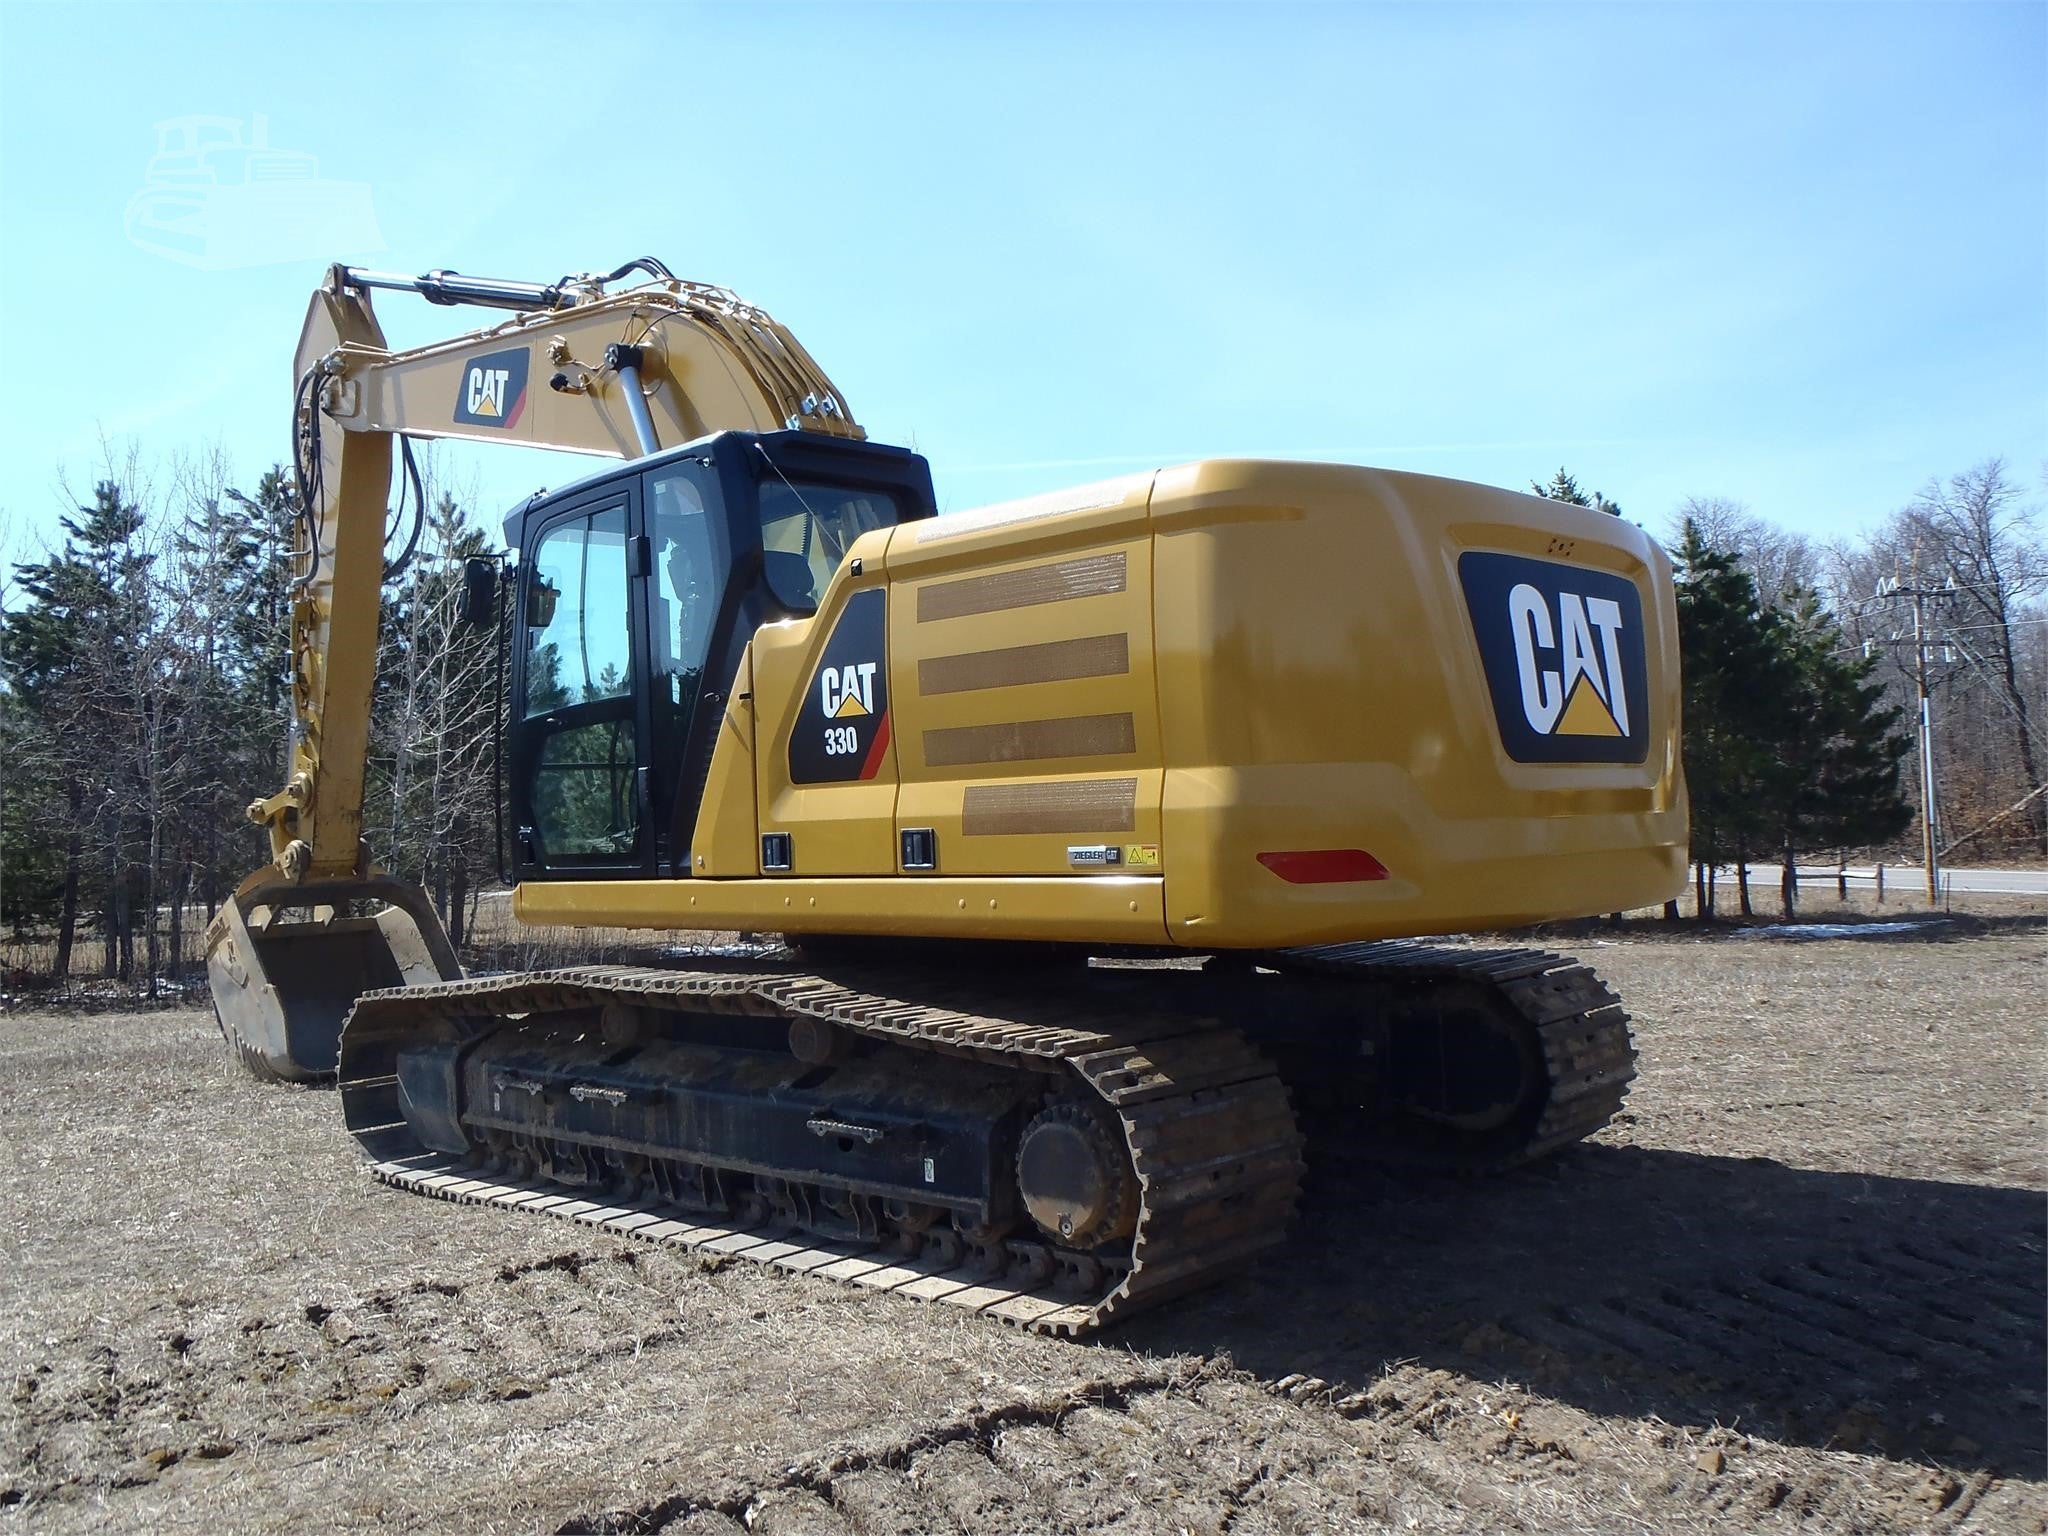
<point>71,656</point>
<point>1787,748</point>
<point>31,828</point>
<point>255,663</point>
<point>1563,487</point>
<point>1733,676</point>
<point>1833,776</point>
<point>230,578</point>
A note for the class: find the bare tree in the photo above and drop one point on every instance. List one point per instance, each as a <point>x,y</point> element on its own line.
<point>435,711</point>
<point>1782,563</point>
<point>1975,529</point>
<point>1971,542</point>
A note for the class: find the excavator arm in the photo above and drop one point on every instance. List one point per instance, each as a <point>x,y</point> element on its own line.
<point>579,365</point>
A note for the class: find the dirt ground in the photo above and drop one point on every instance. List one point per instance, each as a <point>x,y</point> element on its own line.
<point>1800,1285</point>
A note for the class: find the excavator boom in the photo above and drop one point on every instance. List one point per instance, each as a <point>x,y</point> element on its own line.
<point>581,366</point>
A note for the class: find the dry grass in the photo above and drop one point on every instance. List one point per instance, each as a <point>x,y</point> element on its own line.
<point>214,1322</point>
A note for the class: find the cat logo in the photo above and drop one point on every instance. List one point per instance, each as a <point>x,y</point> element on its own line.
<point>492,390</point>
<point>487,391</point>
<point>1581,699</point>
<point>842,732</point>
<point>848,691</point>
<point>1562,648</point>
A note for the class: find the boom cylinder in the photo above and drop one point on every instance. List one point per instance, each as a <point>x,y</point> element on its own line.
<point>626,362</point>
<point>444,287</point>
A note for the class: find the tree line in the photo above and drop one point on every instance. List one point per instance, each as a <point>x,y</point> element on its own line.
<point>1761,608</point>
<point>144,699</point>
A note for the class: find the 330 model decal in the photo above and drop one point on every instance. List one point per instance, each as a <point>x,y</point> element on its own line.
<point>492,392</point>
<point>1562,646</point>
<point>842,731</point>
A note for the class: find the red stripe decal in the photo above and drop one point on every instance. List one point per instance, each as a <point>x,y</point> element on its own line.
<point>519,405</point>
<point>1324,866</point>
<point>873,763</point>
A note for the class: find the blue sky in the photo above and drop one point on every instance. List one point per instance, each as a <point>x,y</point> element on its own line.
<point>1796,256</point>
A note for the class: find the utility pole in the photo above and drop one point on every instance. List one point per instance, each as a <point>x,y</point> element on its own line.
<point>1928,842</point>
<point>1892,587</point>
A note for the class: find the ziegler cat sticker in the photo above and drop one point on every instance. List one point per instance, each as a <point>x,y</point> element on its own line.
<point>492,390</point>
<point>842,731</point>
<point>1562,646</point>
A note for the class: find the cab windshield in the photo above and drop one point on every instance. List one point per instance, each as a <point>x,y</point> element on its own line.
<point>807,528</point>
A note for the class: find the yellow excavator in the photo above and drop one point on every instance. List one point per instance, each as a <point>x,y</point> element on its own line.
<point>1100,827</point>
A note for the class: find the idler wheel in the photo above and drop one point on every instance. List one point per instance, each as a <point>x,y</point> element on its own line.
<point>621,1024</point>
<point>1075,1176</point>
<point>818,1042</point>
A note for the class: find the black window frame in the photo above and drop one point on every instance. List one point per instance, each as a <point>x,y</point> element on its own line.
<point>737,464</point>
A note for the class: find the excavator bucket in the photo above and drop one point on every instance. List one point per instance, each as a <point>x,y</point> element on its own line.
<point>286,962</point>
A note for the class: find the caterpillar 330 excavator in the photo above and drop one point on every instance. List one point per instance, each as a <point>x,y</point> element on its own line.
<point>1101,826</point>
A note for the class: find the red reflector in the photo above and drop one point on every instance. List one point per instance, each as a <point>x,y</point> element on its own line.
<point>1324,866</point>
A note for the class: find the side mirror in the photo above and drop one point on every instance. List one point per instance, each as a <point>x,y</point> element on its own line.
<point>479,591</point>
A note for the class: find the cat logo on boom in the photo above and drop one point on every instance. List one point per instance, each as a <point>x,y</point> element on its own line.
<point>1562,647</point>
<point>492,389</point>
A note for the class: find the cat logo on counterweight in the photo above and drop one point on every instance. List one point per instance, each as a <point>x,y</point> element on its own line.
<point>1562,647</point>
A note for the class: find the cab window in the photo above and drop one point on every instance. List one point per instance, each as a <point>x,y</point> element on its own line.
<point>579,692</point>
<point>578,642</point>
<point>806,530</point>
<point>687,547</point>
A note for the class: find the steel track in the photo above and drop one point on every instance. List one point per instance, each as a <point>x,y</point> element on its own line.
<point>1207,1121</point>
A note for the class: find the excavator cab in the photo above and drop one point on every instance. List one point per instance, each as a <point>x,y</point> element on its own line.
<point>636,594</point>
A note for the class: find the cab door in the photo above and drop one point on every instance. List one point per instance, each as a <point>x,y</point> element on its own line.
<point>581,759</point>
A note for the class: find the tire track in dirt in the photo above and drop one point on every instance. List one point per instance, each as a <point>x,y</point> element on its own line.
<point>1866,1327</point>
<point>1213,1451</point>
<point>1201,1449</point>
<point>864,1473</point>
<point>1809,1340</point>
<point>162,1392</point>
<point>1841,1311</point>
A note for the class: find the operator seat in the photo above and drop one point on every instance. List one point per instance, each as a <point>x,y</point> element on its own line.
<point>790,579</point>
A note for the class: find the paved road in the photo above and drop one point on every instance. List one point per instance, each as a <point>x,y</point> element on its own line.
<point>1910,877</point>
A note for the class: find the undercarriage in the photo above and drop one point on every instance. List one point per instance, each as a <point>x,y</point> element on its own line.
<point>1055,1145</point>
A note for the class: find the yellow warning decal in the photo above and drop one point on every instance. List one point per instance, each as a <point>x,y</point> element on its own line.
<point>1141,855</point>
